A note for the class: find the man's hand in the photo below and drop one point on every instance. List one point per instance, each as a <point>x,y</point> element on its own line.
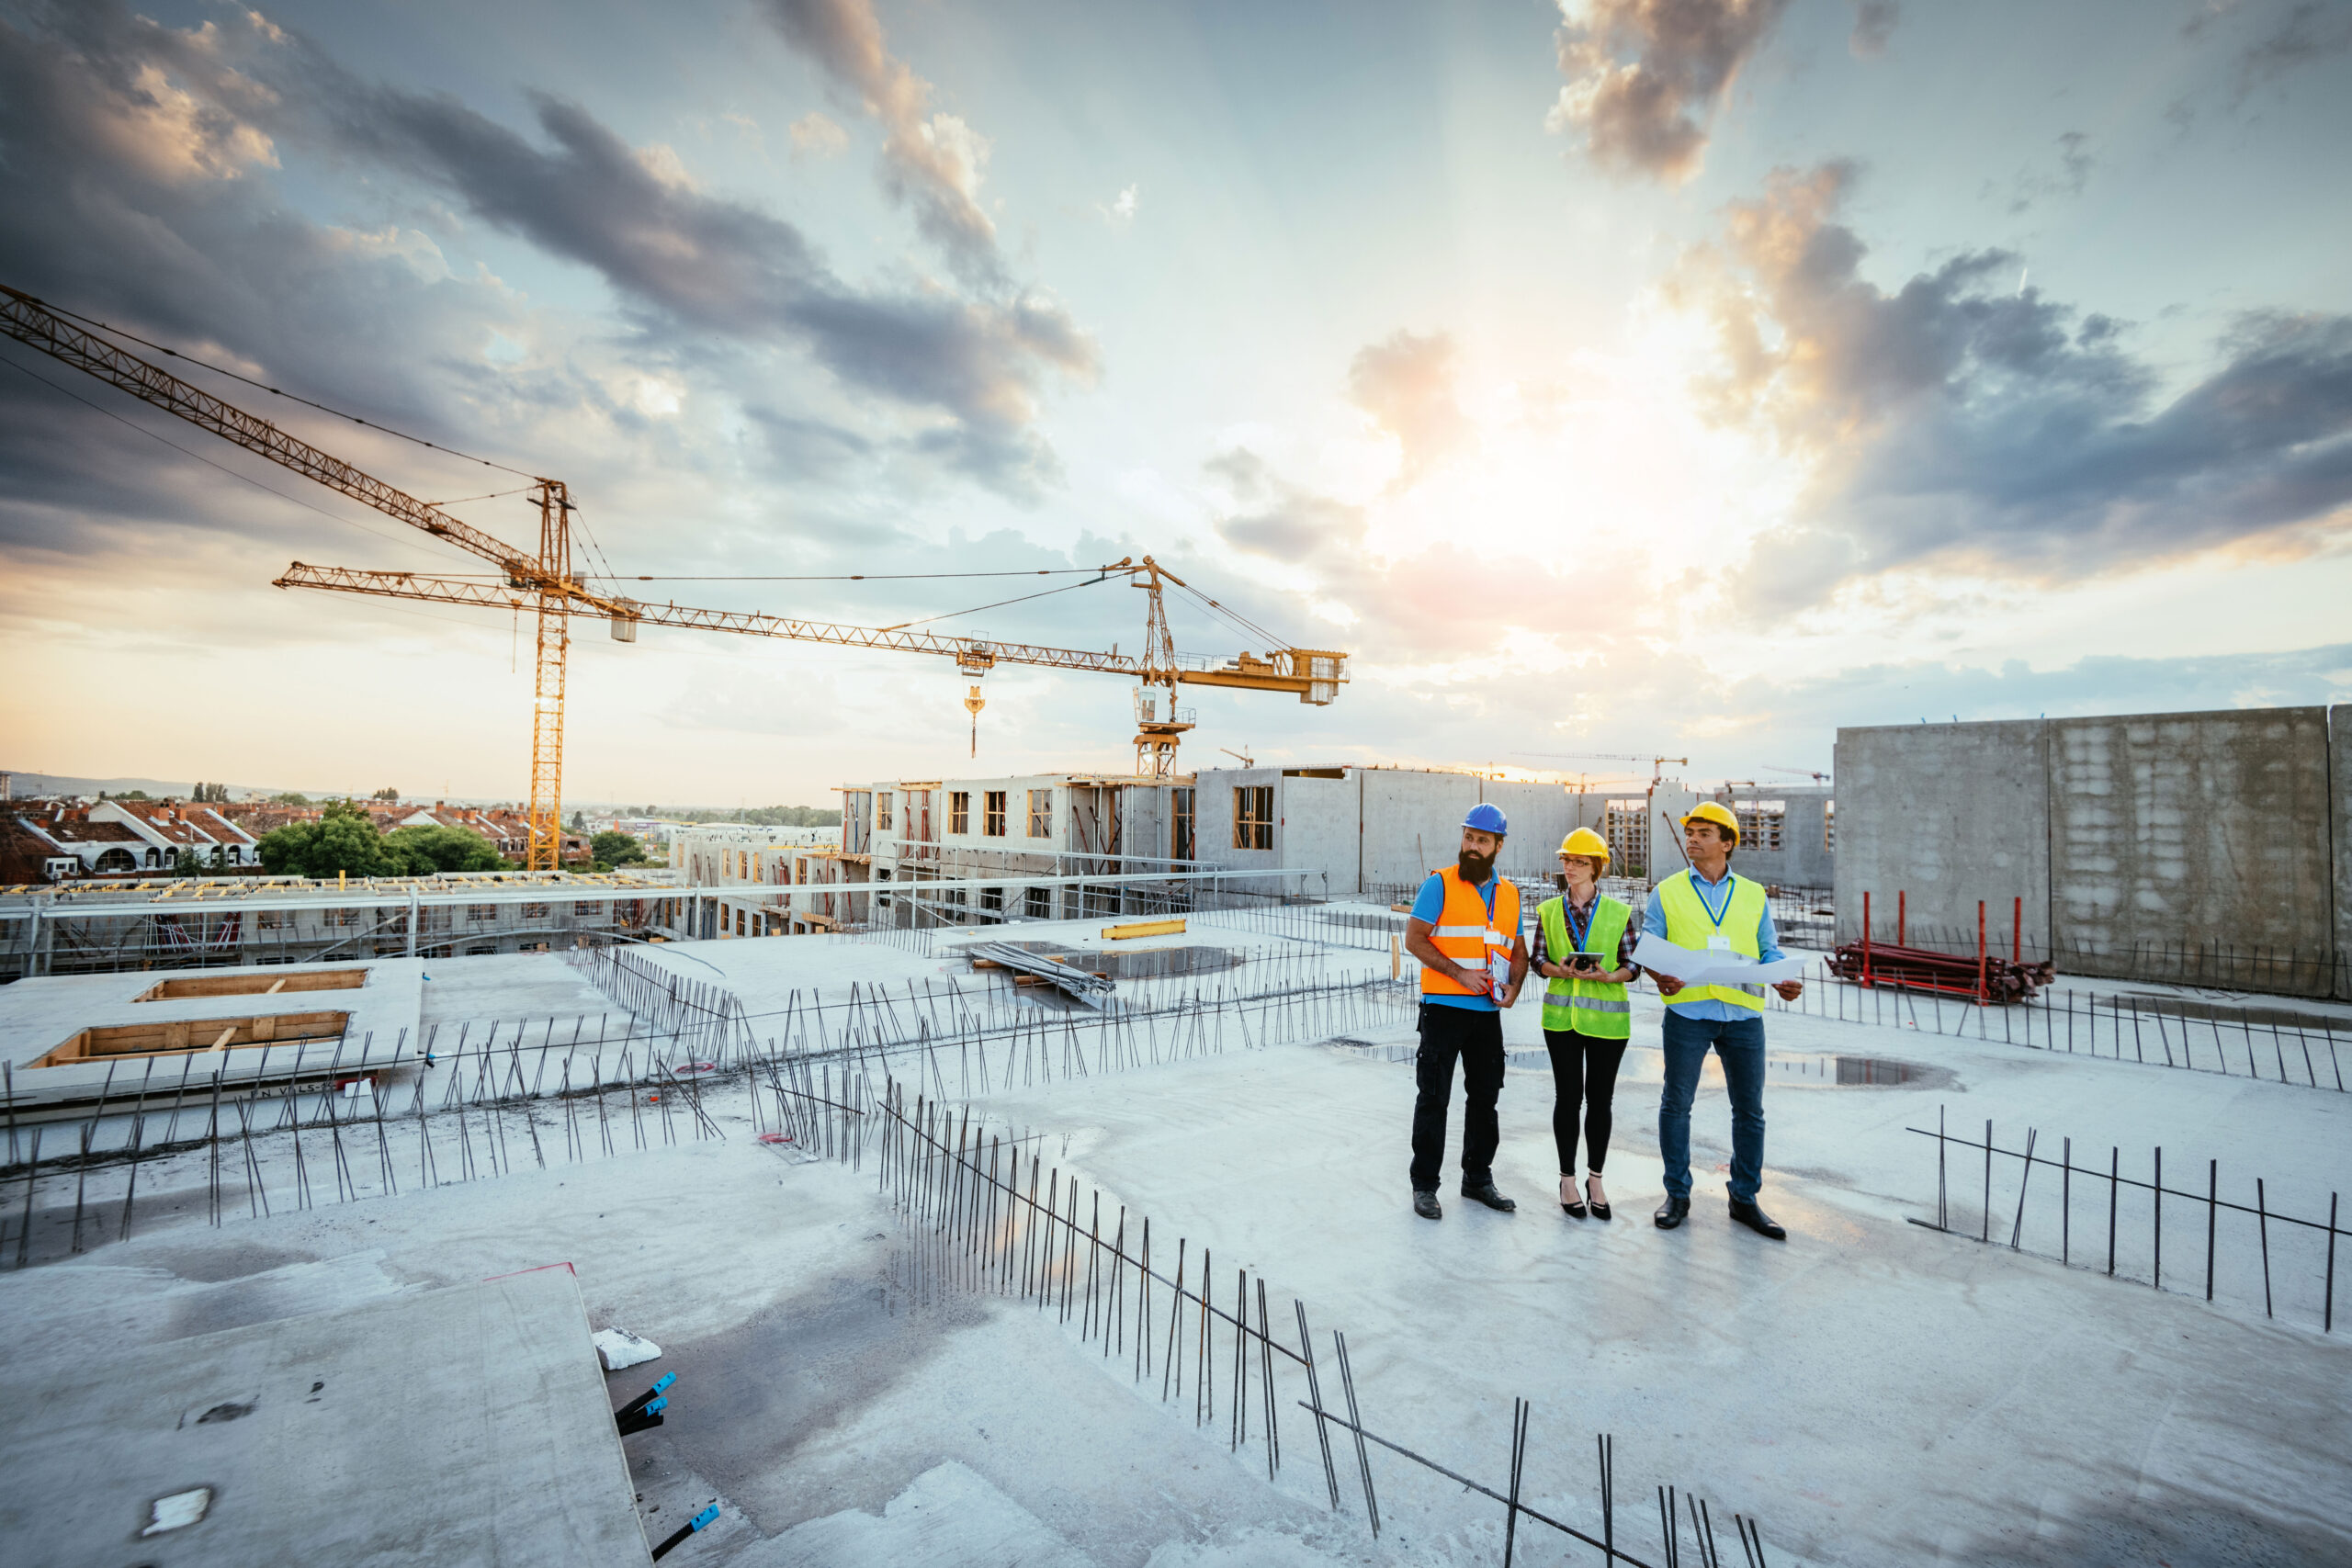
<point>1667,983</point>
<point>1789,989</point>
<point>1506,995</point>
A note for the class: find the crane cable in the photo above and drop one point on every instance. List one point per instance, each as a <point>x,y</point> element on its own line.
<point>274,391</point>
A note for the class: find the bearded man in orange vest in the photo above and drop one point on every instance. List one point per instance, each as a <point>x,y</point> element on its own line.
<point>1465,930</point>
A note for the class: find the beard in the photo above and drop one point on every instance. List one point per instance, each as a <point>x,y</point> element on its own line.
<point>1475,868</point>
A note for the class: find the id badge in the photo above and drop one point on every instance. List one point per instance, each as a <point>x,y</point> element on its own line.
<point>1719,944</point>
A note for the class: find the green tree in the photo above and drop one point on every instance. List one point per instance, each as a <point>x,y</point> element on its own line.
<point>420,852</point>
<point>616,848</point>
<point>289,798</point>
<point>186,862</point>
<point>343,840</point>
<point>387,793</point>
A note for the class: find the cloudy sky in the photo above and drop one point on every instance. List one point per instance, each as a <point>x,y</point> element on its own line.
<point>1687,375</point>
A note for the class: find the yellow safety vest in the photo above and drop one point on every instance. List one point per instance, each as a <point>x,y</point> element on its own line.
<point>1467,934</point>
<point>1688,924</point>
<point>1597,1008</point>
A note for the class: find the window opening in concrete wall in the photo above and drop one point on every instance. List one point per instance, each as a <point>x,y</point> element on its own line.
<point>482,950</point>
<point>992,897</point>
<point>481,912</point>
<point>181,1036</point>
<point>1760,824</point>
<point>882,812</point>
<point>1037,903</point>
<point>534,911</point>
<point>1625,824</point>
<point>992,821</point>
<point>267,919</point>
<point>1315,773</point>
<point>959,811</point>
<point>1829,825</point>
<point>252,985</point>
<point>1040,814</point>
<point>116,860</point>
<point>1180,839</point>
<point>1253,817</point>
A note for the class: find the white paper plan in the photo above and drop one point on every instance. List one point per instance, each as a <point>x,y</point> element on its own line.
<point>1700,967</point>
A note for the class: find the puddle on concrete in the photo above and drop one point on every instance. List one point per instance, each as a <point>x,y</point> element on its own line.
<point>1795,1069</point>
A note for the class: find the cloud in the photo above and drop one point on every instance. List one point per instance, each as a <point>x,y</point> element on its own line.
<point>1406,383</point>
<point>931,162</point>
<point>1874,27</point>
<point>815,136</point>
<point>1963,423</point>
<point>2305,33</point>
<point>1121,211</point>
<point>1444,602</point>
<point>1643,76</point>
<point>726,269</point>
<point>2068,179</point>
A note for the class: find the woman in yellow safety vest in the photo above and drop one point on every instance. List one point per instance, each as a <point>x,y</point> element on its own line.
<point>1586,940</point>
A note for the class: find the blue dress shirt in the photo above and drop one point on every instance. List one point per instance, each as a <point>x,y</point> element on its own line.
<point>1716,896</point>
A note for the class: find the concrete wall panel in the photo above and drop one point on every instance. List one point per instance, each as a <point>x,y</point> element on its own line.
<point>1946,814</point>
<point>2340,770</point>
<point>2173,833</point>
<point>1412,823</point>
<point>1318,829</point>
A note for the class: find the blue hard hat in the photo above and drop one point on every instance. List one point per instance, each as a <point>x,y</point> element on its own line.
<point>1488,819</point>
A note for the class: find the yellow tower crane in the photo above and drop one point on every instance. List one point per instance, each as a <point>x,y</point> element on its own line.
<point>547,585</point>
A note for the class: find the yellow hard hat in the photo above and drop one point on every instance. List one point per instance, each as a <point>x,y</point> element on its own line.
<point>1585,842</point>
<point>1717,813</point>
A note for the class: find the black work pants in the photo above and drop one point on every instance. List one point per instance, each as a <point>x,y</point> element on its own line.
<point>1582,1068</point>
<point>1477,1039</point>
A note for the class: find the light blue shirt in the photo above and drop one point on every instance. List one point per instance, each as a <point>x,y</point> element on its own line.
<point>1716,897</point>
<point>1428,907</point>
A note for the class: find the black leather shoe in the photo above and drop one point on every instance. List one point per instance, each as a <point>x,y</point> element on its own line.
<point>1672,1212</point>
<point>1425,1205</point>
<point>1486,1194</point>
<point>1756,1220</point>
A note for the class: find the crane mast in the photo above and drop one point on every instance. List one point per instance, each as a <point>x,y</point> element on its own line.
<point>545,584</point>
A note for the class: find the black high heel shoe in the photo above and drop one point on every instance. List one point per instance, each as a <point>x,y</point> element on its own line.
<point>1600,1210</point>
<point>1575,1211</point>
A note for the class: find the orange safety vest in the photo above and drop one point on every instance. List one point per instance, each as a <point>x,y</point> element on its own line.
<point>1467,934</point>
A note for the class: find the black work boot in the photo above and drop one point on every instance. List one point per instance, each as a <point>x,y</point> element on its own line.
<point>1484,1192</point>
<point>1672,1212</point>
<point>1425,1205</point>
<point>1756,1220</point>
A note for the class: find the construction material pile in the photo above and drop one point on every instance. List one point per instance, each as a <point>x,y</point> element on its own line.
<point>1953,974</point>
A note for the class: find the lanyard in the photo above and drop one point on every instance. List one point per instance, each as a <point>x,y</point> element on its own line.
<point>1579,930</point>
<point>1700,887</point>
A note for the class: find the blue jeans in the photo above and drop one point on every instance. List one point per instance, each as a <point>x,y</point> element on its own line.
<point>1741,1044</point>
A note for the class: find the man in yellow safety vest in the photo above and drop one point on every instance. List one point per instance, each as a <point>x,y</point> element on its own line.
<point>1708,907</point>
<point>1465,930</point>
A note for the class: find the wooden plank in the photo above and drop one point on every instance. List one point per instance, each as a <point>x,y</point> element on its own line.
<point>1144,927</point>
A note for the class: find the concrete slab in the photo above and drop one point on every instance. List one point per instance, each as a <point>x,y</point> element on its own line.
<point>464,1425</point>
<point>37,1015</point>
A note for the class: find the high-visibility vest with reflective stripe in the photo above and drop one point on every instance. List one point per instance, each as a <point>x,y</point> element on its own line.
<point>1597,1008</point>
<point>1467,934</point>
<point>1688,924</point>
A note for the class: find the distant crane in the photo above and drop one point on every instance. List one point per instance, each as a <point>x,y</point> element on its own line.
<point>1813,773</point>
<point>1244,760</point>
<point>1657,765</point>
<point>547,585</point>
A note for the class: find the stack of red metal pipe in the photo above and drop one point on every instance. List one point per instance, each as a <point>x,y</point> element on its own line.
<point>1953,974</point>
